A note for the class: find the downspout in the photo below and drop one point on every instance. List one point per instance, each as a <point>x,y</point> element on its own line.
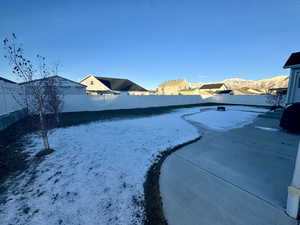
<point>294,190</point>
<point>295,83</point>
<point>290,87</point>
<point>294,87</point>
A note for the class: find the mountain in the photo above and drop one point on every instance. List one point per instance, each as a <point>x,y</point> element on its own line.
<point>274,82</point>
<point>240,86</point>
<point>173,86</point>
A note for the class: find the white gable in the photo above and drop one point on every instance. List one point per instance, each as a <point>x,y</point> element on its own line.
<point>93,84</point>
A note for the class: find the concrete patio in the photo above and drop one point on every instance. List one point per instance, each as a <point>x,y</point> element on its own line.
<point>234,177</point>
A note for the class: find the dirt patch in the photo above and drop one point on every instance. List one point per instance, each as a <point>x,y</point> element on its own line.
<point>44,152</point>
<point>153,203</point>
<point>12,142</point>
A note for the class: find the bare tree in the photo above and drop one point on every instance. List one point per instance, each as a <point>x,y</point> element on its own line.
<point>41,96</point>
<point>54,98</point>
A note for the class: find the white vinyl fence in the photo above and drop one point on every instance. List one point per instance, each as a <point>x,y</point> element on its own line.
<point>260,100</point>
<point>10,103</point>
<point>77,103</point>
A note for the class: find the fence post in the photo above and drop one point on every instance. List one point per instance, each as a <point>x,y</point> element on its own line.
<point>294,190</point>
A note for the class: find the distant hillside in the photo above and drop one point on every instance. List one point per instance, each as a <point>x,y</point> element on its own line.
<point>173,86</point>
<point>274,82</point>
<point>240,86</point>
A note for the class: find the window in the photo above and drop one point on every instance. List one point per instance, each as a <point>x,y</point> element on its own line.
<point>92,82</point>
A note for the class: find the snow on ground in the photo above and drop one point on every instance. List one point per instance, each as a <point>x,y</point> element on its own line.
<point>233,117</point>
<point>267,128</point>
<point>96,174</point>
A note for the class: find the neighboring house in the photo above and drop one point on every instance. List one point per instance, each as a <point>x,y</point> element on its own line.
<point>248,91</point>
<point>7,86</point>
<point>173,87</point>
<point>106,85</point>
<point>12,107</point>
<point>9,91</point>
<point>293,63</point>
<point>207,90</point>
<point>65,86</point>
<point>213,87</point>
<point>193,91</point>
<point>276,91</point>
<point>148,92</point>
<point>225,92</point>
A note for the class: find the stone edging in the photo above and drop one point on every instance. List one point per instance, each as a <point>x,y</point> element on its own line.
<point>153,204</point>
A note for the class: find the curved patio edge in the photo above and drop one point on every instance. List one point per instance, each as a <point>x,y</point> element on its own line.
<point>153,203</point>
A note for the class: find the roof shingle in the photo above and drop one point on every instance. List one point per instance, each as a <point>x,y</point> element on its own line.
<point>293,60</point>
<point>117,84</point>
<point>6,80</point>
<point>211,86</point>
<point>51,77</point>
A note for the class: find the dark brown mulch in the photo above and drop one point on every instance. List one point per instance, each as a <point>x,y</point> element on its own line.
<point>12,157</point>
<point>44,152</point>
<point>153,203</point>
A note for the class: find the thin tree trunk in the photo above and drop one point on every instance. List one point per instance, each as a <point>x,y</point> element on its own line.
<point>44,132</point>
<point>46,142</point>
<point>57,118</point>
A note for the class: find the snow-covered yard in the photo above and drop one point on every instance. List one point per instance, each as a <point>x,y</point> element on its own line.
<point>97,172</point>
<point>233,117</point>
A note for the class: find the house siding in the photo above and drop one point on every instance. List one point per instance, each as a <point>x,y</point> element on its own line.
<point>96,86</point>
<point>11,98</point>
<point>65,87</point>
<point>222,88</point>
<point>293,94</point>
<point>12,106</point>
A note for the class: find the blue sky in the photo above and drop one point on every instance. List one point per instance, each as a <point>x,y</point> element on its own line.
<point>150,41</point>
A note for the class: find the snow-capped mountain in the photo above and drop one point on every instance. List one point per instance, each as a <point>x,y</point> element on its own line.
<point>240,86</point>
<point>274,82</point>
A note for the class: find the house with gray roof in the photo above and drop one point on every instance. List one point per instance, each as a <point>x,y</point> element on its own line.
<point>107,85</point>
<point>213,87</point>
<point>64,85</point>
<point>6,80</point>
<point>12,105</point>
